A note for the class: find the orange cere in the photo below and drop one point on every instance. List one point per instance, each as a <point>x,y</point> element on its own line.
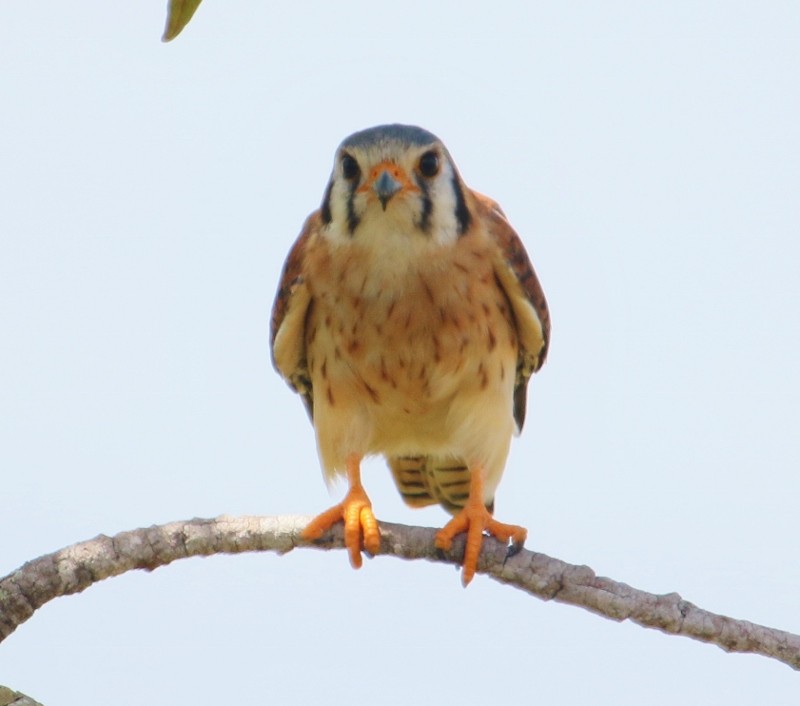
<point>394,170</point>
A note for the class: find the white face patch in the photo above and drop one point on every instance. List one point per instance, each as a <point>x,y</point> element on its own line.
<point>422,214</point>
<point>444,225</point>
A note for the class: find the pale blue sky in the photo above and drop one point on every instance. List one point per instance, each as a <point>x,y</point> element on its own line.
<point>649,156</point>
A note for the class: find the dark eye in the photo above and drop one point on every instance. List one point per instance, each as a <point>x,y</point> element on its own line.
<point>350,168</point>
<point>429,164</point>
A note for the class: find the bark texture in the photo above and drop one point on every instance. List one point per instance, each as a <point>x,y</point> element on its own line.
<point>75,568</point>
<point>14,698</point>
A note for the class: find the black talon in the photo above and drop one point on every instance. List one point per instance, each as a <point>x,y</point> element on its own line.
<point>514,548</point>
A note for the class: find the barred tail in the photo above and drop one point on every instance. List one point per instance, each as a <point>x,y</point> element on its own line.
<point>426,480</point>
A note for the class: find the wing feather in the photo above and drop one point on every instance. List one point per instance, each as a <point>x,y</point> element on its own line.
<point>518,279</point>
<point>289,315</point>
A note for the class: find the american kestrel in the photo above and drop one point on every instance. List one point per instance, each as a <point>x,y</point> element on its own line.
<point>409,319</point>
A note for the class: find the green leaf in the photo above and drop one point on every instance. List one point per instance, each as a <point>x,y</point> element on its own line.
<point>179,13</point>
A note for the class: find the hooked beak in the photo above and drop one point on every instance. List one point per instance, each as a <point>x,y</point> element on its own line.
<point>385,186</point>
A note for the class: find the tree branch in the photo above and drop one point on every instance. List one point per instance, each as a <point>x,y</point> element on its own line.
<point>75,568</point>
<point>14,698</point>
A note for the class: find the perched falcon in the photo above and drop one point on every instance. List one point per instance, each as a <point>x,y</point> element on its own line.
<point>409,319</point>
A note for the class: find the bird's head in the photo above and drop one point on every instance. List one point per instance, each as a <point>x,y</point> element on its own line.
<point>395,181</point>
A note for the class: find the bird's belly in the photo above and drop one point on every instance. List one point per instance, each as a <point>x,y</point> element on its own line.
<point>410,368</point>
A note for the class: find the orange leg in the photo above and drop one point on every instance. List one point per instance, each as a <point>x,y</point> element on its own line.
<point>474,519</point>
<point>356,511</point>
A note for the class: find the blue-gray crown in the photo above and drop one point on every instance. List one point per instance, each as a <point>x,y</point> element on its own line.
<point>404,134</point>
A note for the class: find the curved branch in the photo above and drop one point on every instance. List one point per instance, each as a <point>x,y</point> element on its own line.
<point>14,698</point>
<point>75,568</point>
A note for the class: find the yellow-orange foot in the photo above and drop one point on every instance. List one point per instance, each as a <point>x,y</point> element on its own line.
<point>356,511</point>
<point>475,519</point>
